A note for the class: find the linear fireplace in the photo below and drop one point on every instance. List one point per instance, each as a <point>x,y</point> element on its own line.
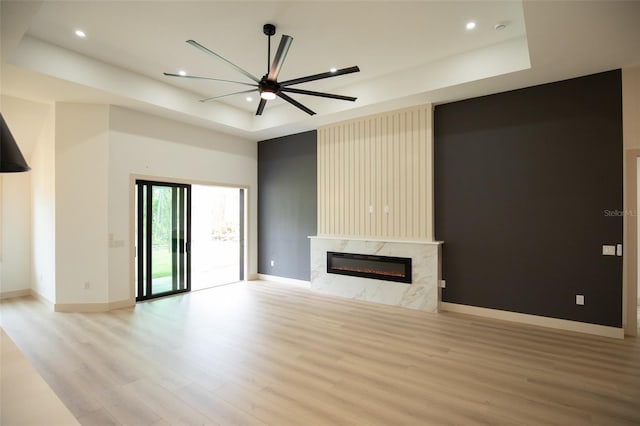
<point>387,268</point>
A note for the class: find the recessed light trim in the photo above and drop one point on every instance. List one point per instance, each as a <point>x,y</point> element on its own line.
<point>80,33</point>
<point>470,25</point>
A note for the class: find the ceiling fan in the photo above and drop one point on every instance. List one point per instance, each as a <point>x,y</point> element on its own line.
<point>268,86</point>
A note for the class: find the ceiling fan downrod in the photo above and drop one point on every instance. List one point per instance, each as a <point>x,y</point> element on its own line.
<point>269,30</point>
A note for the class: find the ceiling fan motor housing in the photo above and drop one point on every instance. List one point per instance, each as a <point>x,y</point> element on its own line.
<point>269,29</point>
<point>267,85</point>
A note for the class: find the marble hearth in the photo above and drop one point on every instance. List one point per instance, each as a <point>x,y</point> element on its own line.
<point>422,294</point>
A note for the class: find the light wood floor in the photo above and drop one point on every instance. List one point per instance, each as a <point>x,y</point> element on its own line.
<point>266,354</point>
<point>25,398</point>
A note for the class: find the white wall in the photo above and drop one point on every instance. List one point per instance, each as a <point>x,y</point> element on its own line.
<point>81,210</point>
<point>631,144</point>
<point>83,159</point>
<point>25,120</point>
<point>145,145</point>
<point>15,272</point>
<point>631,107</point>
<point>59,218</point>
<point>43,217</point>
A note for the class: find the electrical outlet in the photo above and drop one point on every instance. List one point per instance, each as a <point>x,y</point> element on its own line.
<point>386,209</point>
<point>608,250</point>
<point>443,284</point>
<point>618,249</point>
<point>370,209</point>
<point>273,263</point>
<point>579,299</point>
<point>87,285</point>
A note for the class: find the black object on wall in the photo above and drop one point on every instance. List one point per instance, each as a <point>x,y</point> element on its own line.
<point>528,187</point>
<point>11,159</point>
<point>287,204</point>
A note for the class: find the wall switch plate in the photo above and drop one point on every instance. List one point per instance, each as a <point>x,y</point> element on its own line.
<point>273,263</point>
<point>579,299</point>
<point>370,209</point>
<point>619,250</point>
<point>443,284</point>
<point>608,250</point>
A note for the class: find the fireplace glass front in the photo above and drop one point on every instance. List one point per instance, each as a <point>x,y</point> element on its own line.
<point>387,268</point>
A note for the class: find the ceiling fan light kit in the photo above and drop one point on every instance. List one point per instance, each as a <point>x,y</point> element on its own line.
<point>268,95</point>
<point>268,86</point>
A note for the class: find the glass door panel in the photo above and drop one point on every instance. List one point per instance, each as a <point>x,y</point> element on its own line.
<point>163,229</point>
<point>218,236</point>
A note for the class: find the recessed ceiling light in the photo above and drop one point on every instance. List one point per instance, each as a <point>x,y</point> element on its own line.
<point>334,69</point>
<point>249,98</point>
<point>182,73</point>
<point>500,26</point>
<point>80,33</point>
<point>470,25</point>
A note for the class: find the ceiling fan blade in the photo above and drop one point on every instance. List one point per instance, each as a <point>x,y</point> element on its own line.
<point>278,60</point>
<point>209,78</point>
<point>320,76</point>
<point>211,52</point>
<point>321,94</point>
<point>228,94</point>
<point>261,106</point>
<point>296,103</point>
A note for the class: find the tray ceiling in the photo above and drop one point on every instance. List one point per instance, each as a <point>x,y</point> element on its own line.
<point>408,53</point>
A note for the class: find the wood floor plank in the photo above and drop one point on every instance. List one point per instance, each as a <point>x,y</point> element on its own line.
<point>219,411</point>
<point>167,404</point>
<point>263,353</point>
<point>98,417</point>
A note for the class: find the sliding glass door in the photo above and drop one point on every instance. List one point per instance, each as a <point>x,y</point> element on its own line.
<point>163,234</point>
<point>217,247</point>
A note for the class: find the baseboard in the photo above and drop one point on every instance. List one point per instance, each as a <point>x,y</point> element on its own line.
<point>69,307</point>
<point>302,283</point>
<point>15,293</point>
<point>41,298</point>
<point>560,324</point>
<point>93,307</point>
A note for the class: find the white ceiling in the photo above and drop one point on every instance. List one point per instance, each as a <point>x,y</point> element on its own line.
<point>408,52</point>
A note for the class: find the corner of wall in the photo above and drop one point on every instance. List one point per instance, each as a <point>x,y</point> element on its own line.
<point>631,143</point>
<point>43,211</point>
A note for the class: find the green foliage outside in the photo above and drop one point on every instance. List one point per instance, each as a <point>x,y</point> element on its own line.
<point>161,210</point>
<point>161,262</point>
<point>162,232</point>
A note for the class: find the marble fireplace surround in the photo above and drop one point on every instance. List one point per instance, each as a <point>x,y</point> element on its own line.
<point>422,294</point>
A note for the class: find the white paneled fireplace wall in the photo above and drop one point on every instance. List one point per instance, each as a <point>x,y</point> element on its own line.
<point>375,197</point>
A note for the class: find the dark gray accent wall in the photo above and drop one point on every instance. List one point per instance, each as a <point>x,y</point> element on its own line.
<point>287,204</point>
<point>527,185</point>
